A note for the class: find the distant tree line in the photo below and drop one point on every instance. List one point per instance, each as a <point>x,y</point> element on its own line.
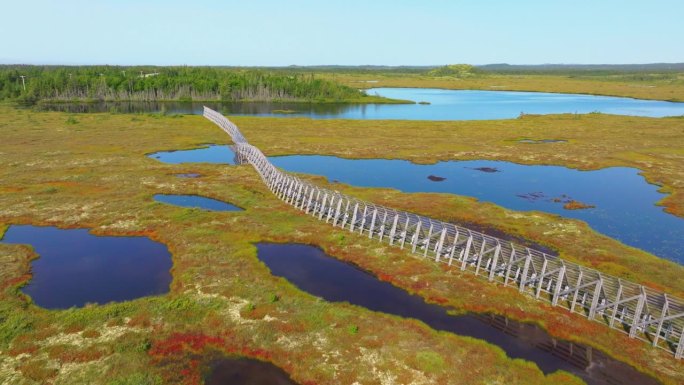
<point>111,83</point>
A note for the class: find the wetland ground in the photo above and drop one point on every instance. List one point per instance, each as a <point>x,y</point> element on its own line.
<point>91,171</point>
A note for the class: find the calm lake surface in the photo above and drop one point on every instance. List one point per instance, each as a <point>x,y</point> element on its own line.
<point>196,201</point>
<point>443,105</point>
<point>76,267</point>
<point>624,202</point>
<point>310,269</point>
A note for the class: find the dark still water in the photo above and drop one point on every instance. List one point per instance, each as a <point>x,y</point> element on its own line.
<point>210,154</point>
<point>438,105</point>
<point>196,201</point>
<point>75,267</point>
<point>245,371</point>
<point>624,203</point>
<point>310,269</point>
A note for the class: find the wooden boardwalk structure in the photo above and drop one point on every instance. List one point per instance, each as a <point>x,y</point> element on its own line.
<point>636,310</point>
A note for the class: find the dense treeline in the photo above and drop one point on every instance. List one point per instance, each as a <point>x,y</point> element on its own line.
<point>63,83</point>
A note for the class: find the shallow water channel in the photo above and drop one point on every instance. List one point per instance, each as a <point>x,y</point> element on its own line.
<point>196,201</point>
<point>625,204</point>
<point>310,269</point>
<point>75,267</point>
<point>437,104</point>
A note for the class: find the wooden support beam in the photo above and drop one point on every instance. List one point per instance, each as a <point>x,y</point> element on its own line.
<point>679,353</point>
<point>595,297</point>
<point>440,244</point>
<point>509,266</point>
<point>637,314</point>
<point>495,262</point>
<point>526,267</point>
<point>559,284</point>
<point>615,305</point>
<point>394,229</point>
<point>321,211</point>
<point>353,221</point>
<point>363,219</point>
<point>338,212</point>
<point>541,278</point>
<point>416,237</point>
<point>404,232</point>
<point>383,224</point>
<point>427,240</point>
<point>663,313</point>
<point>479,256</point>
<point>372,226</point>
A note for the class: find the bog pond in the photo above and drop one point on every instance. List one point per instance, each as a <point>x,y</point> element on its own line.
<point>195,201</point>
<point>311,270</point>
<point>624,203</point>
<point>429,104</point>
<point>245,371</point>
<point>75,267</point>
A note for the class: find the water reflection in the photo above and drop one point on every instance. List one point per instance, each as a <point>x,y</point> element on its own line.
<point>442,105</point>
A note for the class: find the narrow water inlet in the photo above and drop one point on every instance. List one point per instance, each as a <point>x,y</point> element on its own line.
<point>310,269</point>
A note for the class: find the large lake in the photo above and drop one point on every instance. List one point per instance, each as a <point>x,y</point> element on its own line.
<point>443,105</point>
<point>625,204</point>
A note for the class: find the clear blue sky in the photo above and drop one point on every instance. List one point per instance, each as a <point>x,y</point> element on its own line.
<point>349,32</point>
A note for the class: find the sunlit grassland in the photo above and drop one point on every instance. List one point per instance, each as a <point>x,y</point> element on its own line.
<point>669,88</point>
<point>94,174</point>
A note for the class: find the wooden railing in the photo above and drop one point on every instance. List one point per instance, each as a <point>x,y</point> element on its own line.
<point>634,309</point>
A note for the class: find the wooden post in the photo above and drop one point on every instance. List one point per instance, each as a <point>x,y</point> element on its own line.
<point>595,297</point>
<point>679,353</point>
<point>416,236</point>
<point>559,285</point>
<point>438,251</point>
<point>322,209</point>
<point>372,226</point>
<point>616,304</point>
<point>427,240</point>
<point>574,297</point>
<point>394,229</point>
<point>479,256</point>
<point>337,212</point>
<point>353,221</point>
<point>404,233</point>
<point>453,246</point>
<point>663,313</point>
<point>495,262</point>
<point>345,215</point>
<point>528,259</point>
<point>330,208</point>
<point>382,225</point>
<point>363,220</point>
<point>637,314</point>
<point>541,278</point>
<point>308,204</point>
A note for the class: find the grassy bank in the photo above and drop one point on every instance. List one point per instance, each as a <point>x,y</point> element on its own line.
<point>92,172</point>
<point>641,87</point>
